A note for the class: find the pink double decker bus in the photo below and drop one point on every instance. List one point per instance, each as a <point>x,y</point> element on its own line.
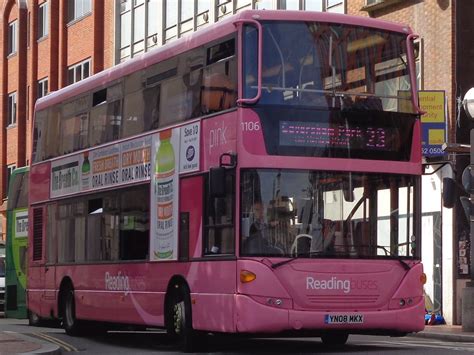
<point>260,176</point>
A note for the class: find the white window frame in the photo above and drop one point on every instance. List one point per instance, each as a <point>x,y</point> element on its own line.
<point>79,66</point>
<point>78,9</point>
<point>10,169</point>
<point>43,26</point>
<point>12,37</point>
<point>11,109</point>
<point>42,87</point>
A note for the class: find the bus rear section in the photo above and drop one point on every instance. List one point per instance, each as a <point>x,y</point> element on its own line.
<point>17,244</point>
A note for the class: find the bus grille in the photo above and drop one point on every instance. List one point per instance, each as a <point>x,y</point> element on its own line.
<point>343,299</point>
<point>37,233</point>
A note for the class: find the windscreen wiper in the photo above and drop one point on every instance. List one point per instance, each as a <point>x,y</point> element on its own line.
<point>281,263</point>
<point>398,257</point>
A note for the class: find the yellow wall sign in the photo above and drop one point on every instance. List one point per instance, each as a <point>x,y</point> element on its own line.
<point>432,102</point>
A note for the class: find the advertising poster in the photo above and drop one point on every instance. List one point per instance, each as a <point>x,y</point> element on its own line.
<point>19,244</point>
<point>164,195</point>
<point>189,160</point>
<point>65,176</point>
<point>101,168</point>
<point>105,168</point>
<point>21,223</point>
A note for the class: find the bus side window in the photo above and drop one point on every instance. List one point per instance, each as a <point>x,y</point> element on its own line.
<point>106,115</point>
<point>134,224</point>
<point>51,147</point>
<point>40,135</point>
<point>218,92</point>
<point>219,85</point>
<point>219,220</point>
<point>135,104</point>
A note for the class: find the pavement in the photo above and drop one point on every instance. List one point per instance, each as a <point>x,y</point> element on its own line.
<point>452,333</point>
<point>16,343</point>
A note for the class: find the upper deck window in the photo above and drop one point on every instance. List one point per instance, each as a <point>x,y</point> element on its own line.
<point>195,83</point>
<point>329,66</point>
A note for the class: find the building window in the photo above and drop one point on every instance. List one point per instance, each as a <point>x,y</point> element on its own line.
<point>42,87</point>
<point>265,5</point>
<point>138,27</point>
<point>43,23</point>
<point>11,116</point>
<point>78,8</point>
<point>12,37</point>
<point>324,5</point>
<point>335,6</point>
<point>78,71</point>
<point>10,169</point>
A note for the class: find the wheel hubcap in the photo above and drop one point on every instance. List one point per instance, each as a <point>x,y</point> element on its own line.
<point>178,317</point>
<point>69,318</point>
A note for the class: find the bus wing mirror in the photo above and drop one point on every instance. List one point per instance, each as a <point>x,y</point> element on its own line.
<point>449,192</point>
<point>217,181</point>
<point>239,25</point>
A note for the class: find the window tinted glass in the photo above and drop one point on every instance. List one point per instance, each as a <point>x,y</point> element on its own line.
<point>328,214</point>
<point>196,83</point>
<point>219,220</point>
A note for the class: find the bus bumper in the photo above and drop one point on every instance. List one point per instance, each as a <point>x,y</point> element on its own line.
<point>254,317</point>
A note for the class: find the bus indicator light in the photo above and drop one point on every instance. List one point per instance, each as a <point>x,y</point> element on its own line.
<point>247,276</point>
<point>423,278</point>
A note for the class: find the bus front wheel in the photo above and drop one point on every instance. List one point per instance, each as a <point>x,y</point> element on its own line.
<point>335,339</point>
<point>180,312</point>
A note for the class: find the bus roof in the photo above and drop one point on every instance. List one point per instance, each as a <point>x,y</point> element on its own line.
<point>202,37</point>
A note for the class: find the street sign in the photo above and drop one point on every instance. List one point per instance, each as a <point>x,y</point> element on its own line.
<point>433,122</point>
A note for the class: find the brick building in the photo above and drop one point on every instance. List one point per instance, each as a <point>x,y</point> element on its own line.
<point>45,45</point>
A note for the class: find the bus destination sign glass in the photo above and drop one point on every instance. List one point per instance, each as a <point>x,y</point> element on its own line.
<point>327,135</point>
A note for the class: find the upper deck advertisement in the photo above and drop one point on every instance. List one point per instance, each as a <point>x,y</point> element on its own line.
<point>158,158</point>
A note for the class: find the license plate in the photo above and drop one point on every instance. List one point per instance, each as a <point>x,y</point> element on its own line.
<point>344,319</point>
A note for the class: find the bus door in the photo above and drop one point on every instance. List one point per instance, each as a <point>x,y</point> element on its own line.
<point>190,217</point>
<point>48,269</point>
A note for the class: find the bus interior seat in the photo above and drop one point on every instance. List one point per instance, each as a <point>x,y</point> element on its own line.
<point>370,103</point>
<point>313,98</point>
<point>301,245</point>
<point>361,239</point>
<point>217,93</point>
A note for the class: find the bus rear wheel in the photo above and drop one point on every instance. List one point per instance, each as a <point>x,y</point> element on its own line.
<point>70,323</point>
<point>33,319</point>
<point>335,339</point>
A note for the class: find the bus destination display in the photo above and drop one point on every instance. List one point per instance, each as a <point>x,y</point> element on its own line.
<point>327,135</point>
